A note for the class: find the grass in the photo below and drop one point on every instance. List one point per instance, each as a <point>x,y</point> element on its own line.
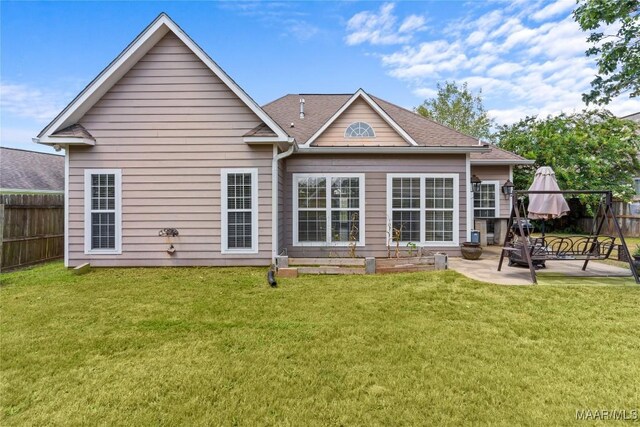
<point>196,346</point>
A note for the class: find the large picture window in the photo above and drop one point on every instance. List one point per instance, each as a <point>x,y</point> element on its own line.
<point>423,208</point>
<point>239,210</point>
<point>102,217</point>
<point>328,209</point>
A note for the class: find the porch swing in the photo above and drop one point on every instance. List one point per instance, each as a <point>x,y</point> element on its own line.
<point>522,248</point>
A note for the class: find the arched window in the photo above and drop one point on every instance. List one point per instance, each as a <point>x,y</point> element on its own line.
<point>359,130</point>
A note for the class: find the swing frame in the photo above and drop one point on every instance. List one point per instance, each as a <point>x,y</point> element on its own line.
<point>527,248</point>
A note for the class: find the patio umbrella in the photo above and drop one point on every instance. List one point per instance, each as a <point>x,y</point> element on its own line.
<point>546,206</point>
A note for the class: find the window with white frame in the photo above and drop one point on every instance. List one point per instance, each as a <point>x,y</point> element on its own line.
<point>103,205</point>
<point>239,210</point>
<point>423,208</point>
<point>486,201</point>
<point>328,209</point>
<point>359,130</point>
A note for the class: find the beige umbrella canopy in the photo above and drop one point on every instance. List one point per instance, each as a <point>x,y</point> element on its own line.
<point>546,206</point>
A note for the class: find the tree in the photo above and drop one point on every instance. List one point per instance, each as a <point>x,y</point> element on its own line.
<point>618,53</point>
<point>459,109</point>
<point>591,150</point>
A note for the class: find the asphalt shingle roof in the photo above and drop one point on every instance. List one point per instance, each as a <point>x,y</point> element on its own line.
<point>319,108</point>
<point>29,170</point>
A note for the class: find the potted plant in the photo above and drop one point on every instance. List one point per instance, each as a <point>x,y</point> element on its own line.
<point>471,250</point>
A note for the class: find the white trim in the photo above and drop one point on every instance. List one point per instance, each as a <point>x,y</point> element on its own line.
<point>361,94</point>
<point>62,140</point>
<point>469,192</point>
<point>392,150</point>
<point>127,59</point>
<point>224,249</point>
<point>456,207</point>
<point>328,209</point>
<point>359,121</point>
<point>502,162</point>
<point>118,212</point>
<point>275,190</point>
<point>66,207</point>
<point>497,193</point>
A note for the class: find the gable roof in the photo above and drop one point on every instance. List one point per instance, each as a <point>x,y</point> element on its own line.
<point>322,109</point>
<point>30,170</point>
<point>361,94</point>
<point>127,59</point>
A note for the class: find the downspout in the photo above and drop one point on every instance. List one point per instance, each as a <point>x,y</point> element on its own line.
<point>274,195</point>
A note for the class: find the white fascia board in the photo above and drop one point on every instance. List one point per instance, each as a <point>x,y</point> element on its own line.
<point>361,94</point>
<point>64,140</point>
<point>502,162</point>
<point>128,58</point>
<point>391,150</point>
<point>265,139</point>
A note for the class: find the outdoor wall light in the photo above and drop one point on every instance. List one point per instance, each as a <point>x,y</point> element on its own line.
<point>507,188</point>
<point>475,183</point>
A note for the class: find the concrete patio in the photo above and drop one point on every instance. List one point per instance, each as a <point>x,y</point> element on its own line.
<point>486,269</point>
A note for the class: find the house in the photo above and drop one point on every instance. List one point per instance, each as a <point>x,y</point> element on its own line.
<point>635,117</point>
<point>163,138</point>
<point>24,171</point>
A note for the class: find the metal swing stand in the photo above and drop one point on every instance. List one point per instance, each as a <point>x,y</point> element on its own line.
<point>527,248</point>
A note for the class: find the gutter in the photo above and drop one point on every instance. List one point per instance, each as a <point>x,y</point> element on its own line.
<point>502,162</point>
<point>274,196</point>
<point>394,150</point>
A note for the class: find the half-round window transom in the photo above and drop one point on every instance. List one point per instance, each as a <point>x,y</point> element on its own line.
<point>359,130</point>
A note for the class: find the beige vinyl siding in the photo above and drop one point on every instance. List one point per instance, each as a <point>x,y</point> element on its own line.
<point>495,173</point>
<point>360,111</point>
<point>170,125</point>
<point>375,168</point>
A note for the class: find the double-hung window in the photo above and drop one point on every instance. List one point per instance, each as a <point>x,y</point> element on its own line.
<point>486,201</point>
<point>423,209</point>
<point>103,211</point>
<point>328,209</point>
<point>239,230</point>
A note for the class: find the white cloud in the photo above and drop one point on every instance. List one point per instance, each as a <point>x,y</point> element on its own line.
<point>26,101</point>
<point>554,9</point>
<point>425,92</point>
<point>504,69</point>
<point>528,58</point>
<point>412,23</point>
<point>380,28</point>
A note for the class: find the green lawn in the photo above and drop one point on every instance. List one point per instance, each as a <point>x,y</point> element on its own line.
<point>198,346</point>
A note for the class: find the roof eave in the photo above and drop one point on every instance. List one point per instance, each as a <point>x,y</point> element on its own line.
<point>393,150</point>
<point>489,162</point>
<point>63,140</point>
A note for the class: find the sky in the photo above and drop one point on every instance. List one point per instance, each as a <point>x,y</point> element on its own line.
<point>526,56</point>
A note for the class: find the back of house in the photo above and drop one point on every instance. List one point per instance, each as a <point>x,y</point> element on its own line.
<point>169,162</point>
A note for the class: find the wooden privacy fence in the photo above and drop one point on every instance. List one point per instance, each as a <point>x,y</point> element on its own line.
<point>31,229</point>
<point>628,220</point>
